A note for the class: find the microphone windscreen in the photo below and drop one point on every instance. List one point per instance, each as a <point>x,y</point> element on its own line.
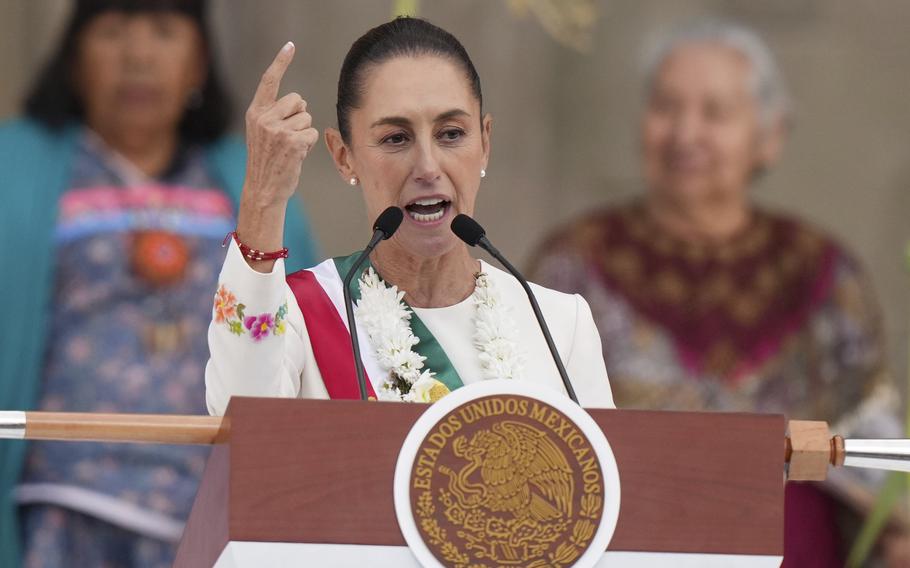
<point>467,229</point>
<point>388,221</point>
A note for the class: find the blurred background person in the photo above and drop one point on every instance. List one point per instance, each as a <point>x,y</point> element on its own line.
<point>845,62</point>
<point>118,187</point>
<point>706,301</point>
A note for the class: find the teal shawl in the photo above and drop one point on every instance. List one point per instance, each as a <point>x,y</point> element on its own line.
<point>34,173</point>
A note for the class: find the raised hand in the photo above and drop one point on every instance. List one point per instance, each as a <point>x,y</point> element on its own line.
<point>279,136</point>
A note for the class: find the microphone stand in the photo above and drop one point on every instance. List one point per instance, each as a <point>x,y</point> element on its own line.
<point>384,227</point>
<point>486,245</point>
<point>349,307</point>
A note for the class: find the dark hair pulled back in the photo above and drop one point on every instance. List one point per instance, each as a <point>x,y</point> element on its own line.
<point>402,37</point>
<point>53,99</point>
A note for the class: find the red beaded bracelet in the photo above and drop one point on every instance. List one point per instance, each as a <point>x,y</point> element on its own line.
<point>254,254</point>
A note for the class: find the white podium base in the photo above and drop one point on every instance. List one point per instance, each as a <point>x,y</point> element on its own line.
<point>282,554</point>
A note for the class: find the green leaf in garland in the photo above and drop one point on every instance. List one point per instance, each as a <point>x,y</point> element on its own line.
<point>235,327</point>
<point>240,308</point>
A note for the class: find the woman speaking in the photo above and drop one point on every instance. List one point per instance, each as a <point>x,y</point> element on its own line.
<point>412,134</point>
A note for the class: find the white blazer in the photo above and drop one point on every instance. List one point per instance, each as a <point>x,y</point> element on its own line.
<point>285,366</point>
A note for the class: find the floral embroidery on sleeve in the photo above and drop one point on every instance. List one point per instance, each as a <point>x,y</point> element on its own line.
<point>225,305</point>
<point>228,311</point>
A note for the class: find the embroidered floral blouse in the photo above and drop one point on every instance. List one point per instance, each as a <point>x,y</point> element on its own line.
<point>118,343</point>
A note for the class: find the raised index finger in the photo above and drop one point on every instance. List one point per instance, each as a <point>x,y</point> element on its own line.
<point>267,91</point>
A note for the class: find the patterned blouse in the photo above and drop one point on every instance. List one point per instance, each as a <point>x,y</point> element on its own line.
<point>123,340</point>
<point>778,319</point>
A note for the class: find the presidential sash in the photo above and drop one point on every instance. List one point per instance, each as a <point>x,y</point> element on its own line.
<point>319,293</point>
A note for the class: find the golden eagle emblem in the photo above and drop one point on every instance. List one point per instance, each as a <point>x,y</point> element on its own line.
<point>521,472</point>
<point>497,483</point>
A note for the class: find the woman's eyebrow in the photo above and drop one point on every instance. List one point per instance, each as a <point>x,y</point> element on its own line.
<point>403,121</point>
<point>454,113</point>
<point>391,120</point>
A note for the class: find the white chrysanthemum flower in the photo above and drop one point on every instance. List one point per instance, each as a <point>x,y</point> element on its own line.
<point>386,319</point>
<point>495,334</point>
<point>387,392</point>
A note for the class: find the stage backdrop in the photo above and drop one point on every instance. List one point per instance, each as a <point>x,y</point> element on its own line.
<point>565,122</point>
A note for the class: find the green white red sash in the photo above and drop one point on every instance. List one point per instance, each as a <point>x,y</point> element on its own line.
<point>319,294</point>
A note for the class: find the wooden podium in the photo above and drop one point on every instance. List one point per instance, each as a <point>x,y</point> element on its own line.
<point>308,482</point>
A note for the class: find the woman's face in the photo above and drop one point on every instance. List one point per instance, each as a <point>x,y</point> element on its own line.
<point>418,142</point>
<point>701,135</point>
<point>138,71</point>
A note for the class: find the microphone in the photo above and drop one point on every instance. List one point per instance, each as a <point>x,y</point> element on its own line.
<point>470,231</point>
<point>384,227</point>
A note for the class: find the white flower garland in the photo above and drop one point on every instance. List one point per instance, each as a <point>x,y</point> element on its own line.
<point>386,320</point>
<point>495,333</point>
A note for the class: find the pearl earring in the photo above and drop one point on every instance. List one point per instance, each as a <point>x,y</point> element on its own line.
<point>483,173</point>
<point>353,181</point>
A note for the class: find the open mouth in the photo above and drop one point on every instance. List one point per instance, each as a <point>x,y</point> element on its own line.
<point>428,210</point>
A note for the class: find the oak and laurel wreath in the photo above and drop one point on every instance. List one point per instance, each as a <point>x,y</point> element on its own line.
<point>436,535</point>
<point>582,533</point>
<point>566,552</point>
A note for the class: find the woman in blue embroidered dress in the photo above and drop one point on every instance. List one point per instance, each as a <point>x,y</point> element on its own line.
<point>118,189</point>
<point>412,134</point>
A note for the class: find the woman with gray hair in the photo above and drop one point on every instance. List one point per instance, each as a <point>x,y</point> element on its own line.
<point>705,301</point>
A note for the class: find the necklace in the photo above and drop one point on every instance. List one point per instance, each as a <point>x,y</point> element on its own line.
<point>385,317</point>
